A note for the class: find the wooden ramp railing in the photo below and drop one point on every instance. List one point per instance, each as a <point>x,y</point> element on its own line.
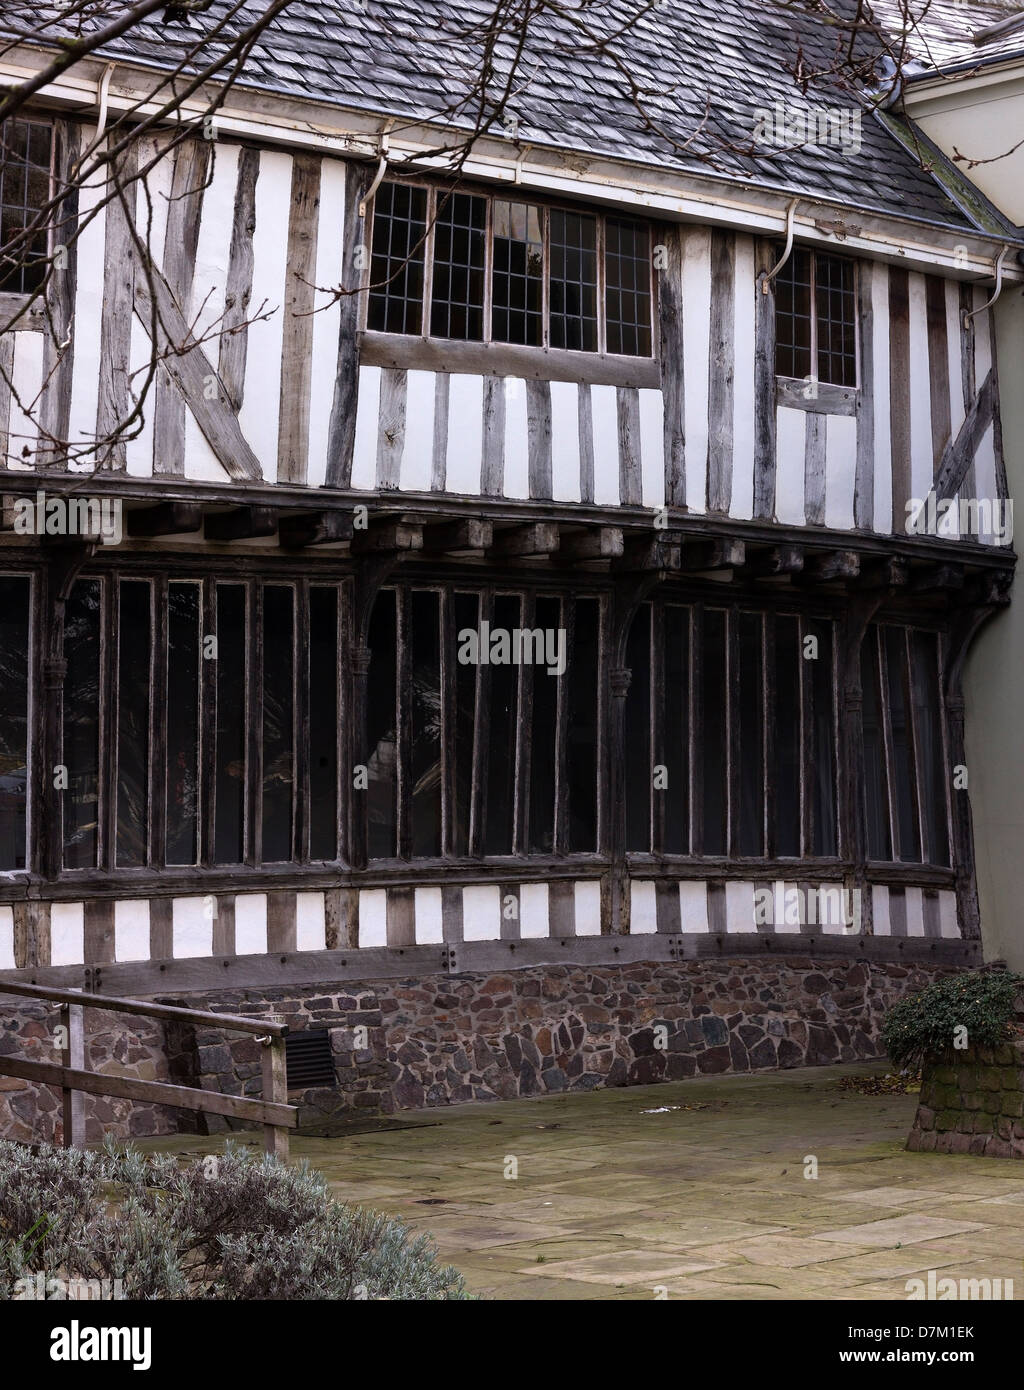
<point>75,1081</point>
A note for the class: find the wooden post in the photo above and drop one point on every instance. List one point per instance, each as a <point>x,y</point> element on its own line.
<point>275,1088</point>
<point>73,1055</point>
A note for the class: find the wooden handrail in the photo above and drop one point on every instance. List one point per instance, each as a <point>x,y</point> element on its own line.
<point>75,1081</point>
<point>233,1022</point>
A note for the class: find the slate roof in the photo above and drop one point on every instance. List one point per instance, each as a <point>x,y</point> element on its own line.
<point>680,88</point>
<point>956,33</point>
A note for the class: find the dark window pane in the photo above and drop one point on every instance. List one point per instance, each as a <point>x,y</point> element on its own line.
<point>133,714</point>
<point>183,642</point>
<point>396,266</point>
<point>787,737</point>
<point>543,750</point>
<point>82,724</point>
<point>517,282</point>
<point>638,772</point>
<point>382,730</point>
<point>751,715</point>
<point>457,294</point>
<point>876,806</point>
<point>677,729</point>
<point>909,844</point>
<point>425,639</point>
<point>278,721</point>
<point>572,286</point>
<point>628,287</point>
<point>229,827</point>
<point>24,191</point>
<point>793,316</point>
<point>14,627</point>
<point>502,735</point>
<point>823,840</point>
<point>582,741</point>
<point>466,610</point>
<point>928,720</point>
<point>323,723</point>
<point>715,749</point>
<point>834,297</point>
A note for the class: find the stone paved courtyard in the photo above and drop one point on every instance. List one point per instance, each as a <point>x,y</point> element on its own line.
<point>694,1188</point>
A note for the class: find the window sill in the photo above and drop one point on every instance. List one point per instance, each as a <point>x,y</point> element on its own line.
<point>13,304</point>
<point>821,397</point>
<point>506,359</point>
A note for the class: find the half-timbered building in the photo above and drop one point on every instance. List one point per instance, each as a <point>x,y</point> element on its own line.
<point>561,571</point>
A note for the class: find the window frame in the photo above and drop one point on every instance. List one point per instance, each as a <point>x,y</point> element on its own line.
<point>12,300</point>
<point>829,390</point>
<point>487,343</point>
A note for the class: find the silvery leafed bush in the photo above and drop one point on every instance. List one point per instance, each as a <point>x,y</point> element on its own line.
<point>241,1226</point>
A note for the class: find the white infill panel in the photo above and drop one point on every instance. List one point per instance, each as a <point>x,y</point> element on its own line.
<point>310,922</point>
<point>788,911</point>
<point>739,907</point>
<point>604,404</point>
<point>418,453</point>
<point>693,906</point>
<point>481,912</point>
<point>7,961</point>
<point>915,912</point>
<point>327,318</point>
<point>565,441</point>
<point>880,910</point>
<point>465,434</point>
<point>261,402</point>
<point>922,462</point>
<point>840,471</point>
<point>373,917</point>
<point>790,439</point>
<point>67,934</point>
<point>741,503</point>
<point>533,910</point>
<point>948,924</point>
<point>27,380</point>
<point>131,929</point>
<point>364,452</point>
<point>587,894</point>
<point>883,520</point>
<point>429,930</point>
<point>643,907</point>
<point>652,447</point>
<point>192,927</point>
<point>517,440</point>
<point>697,350</point>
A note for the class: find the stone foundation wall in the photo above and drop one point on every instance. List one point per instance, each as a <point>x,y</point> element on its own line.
<point>446,1039</point>
<point>973,1102</point>
<point>449,1039</point>
<point>122,1044</point>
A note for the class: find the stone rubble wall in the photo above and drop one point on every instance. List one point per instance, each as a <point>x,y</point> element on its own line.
<point>447,1039</point>
<point>972,1102</point>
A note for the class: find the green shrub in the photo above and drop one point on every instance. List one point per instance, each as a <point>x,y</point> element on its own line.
<point>241,1226</point>
<point>923,1026</point>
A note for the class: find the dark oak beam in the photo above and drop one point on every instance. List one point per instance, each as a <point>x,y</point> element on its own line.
<point>832,565</point>
<point>720,554</point>
<point>884,574</point>
<point>458,537</point>
<point>938,577</point>
<point>240,524</point>
<point>539,538</point>
<point>663,551</point>
<point>387,536</point>
<point>780,560</point>
<point>166,519</point>
<point>597,543</point>
<point>315,528</point>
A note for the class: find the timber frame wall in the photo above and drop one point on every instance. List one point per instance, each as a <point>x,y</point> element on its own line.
<point>481,468</point>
